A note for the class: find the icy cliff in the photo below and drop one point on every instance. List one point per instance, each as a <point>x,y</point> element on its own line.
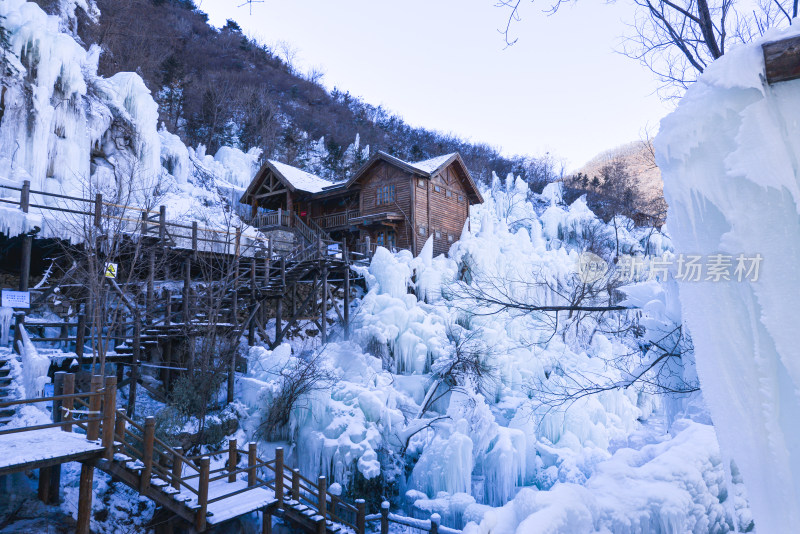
<point>729,158</point>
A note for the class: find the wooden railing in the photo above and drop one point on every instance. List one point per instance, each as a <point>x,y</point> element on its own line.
<point>334,220</point>
<point>432,525</point>
<point>95,410</point>
<point>310,230</point>
<point>136,220</point>
<point>128,442</point>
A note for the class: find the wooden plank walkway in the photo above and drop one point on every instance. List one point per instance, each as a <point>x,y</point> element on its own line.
<point>34,449</point>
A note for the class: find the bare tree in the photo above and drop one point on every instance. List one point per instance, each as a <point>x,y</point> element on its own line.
<point>678,39</point>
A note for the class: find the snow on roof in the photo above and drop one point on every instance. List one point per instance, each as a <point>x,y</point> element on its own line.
<point>430,165</point>
<point>302,180</point>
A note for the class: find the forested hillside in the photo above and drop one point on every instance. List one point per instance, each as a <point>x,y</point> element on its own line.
<point>219,87</point>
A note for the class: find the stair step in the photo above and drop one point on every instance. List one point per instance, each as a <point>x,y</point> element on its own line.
<point>5,420</point>
<point>158,483</point>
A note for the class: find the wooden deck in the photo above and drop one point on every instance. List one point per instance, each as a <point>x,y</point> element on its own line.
<point>34,449</point>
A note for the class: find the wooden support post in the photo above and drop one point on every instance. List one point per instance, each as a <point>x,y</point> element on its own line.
<point>162,224</point>
<point>137,340</point>
<point>252,460</point>
<point>323,319</point>
<point>58,389</point>
<point>98,210</point>
<point>278,326</point>
<point>322,502</point>
<point>25,196</point>
<point>45,474</point>
<point>279,475</point>
<point>202,494</point>
<point>85,499</point>
<point>109,414</point>
<point>151,274</point>
<point>25,262</point>
<point>187,291</point>
<point>147,454</point>
<point>266,522</point>
<point>368,248</point>
<point>346,303</point>
<point>295,484</point>
<point>177,467</point>
<point>166,355</point>
<point>321,526</point>
<point>194,240</point>
<point>385,517</point>
<point>251,332</point>
<point>233,459</point>
<point>93,427</point>
<point>361,515</point>
<point>68,404</point>
<point>435,520</point>
<point>120,425</point>
<point>80,335</point>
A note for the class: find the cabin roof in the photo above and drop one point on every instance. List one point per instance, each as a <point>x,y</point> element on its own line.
<point>293,179</point>
<point>300,179</point>
<point>425,169</point>
<point>432,165</point>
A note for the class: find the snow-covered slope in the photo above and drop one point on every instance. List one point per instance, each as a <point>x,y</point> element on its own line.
<point>730,160</point>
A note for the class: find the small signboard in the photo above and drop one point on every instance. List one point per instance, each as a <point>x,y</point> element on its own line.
<point>16,299</point>
<point>111,270</point>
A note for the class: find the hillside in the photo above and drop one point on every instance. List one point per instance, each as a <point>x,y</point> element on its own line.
<point>625,180</point>
<point>221,88</point>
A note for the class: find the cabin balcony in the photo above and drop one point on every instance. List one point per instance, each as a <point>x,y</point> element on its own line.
<point>338,220</point>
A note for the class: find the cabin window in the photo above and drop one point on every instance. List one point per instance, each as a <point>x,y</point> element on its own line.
<point>423,230</point>
<point>386,239</point>
<point>420,182</point>
<point>437,188</point>
<point>385,195</point>
<point>438,234</point>
<point>460,198</point>
<point>450,238</point>
<point>449,193</point>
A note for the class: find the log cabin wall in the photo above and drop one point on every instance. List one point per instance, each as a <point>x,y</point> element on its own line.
<point>382,175</point>
<point>421,219</point>
<point>449,208</point>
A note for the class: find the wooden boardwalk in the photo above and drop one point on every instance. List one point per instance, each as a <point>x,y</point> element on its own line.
<point>88,428</point>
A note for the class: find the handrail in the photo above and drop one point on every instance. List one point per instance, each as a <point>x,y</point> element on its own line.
<point>37,400</point>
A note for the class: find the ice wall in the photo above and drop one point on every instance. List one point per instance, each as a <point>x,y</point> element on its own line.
<point>729,158</point>
<point>70,131</point>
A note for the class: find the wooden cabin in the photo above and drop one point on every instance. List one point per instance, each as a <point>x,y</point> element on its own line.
<point>388,202</point>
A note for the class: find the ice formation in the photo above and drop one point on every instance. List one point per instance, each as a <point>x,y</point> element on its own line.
<point>495,457</point>
<point>70,131</point>
<point>729,158</point>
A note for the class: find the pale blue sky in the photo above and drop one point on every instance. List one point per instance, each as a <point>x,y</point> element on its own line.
<point>442,64</point>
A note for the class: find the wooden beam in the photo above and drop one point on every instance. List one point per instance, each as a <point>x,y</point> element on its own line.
<point>85,499</point>
<point>782,60</point>
<point>272,194</point>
